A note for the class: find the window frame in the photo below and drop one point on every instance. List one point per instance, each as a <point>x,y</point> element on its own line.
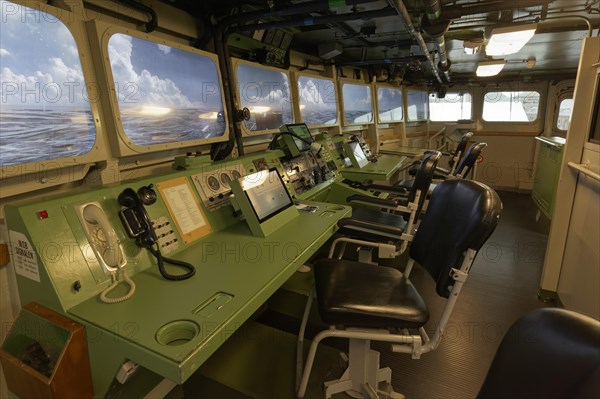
<point>539,112</point>
<point>342,111</point>
<point>407,117</point>
<point>236,62</point>
<point>124,145</point>
<point>66,169</point>
<point>335,91</point>
<point>512,128</point>
<point>457,92</point>
<point>387,86</point>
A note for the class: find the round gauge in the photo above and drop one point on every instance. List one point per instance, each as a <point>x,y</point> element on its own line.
<point>235,174</point>
<point>225,179</point>
<point>213,183</point>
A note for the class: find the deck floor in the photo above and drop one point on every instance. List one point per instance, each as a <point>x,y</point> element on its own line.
<point>503,285</point>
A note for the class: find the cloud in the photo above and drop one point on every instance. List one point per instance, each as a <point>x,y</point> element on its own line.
<point>142,88</point>
<point>317,95</point>
<point>4,52</point>
<point>164,49</point>
<point>59,85</point>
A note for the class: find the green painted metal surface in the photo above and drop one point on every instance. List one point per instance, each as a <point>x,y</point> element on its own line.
<point>236,273</point>
<point>547,174</point>
<point>382,170</point>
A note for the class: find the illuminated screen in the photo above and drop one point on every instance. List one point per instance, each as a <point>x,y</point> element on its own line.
<point>359,155</point>
<point>301,130</point>
<point>267,193</point>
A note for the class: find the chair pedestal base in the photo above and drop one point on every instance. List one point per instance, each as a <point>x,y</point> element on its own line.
<point>363,376</point>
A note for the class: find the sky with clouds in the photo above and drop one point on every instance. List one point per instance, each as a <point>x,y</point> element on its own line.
<point>39,61</point>
<point>147,73</point>
<point>357,97</point>
<point>40,67</point>
<point>317,94</point>
<point>262,87</point>
<point>388,99</point>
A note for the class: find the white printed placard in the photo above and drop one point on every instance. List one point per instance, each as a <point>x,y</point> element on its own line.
<point>24,258</point>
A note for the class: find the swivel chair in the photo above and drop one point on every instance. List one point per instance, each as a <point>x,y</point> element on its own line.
<point>393,223</point>
<point>549,353</point>
<point>465,167</point>
<point>455,158</point>
<point>365,302</point>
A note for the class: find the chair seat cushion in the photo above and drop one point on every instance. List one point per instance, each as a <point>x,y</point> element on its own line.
<point>357,294</point>
<point>389,224</point>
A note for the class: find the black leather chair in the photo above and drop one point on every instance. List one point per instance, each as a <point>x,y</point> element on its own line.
<point>365,302</point>
<point>392,223</point>
<point>465,167</point>
<point>455,158</point>
<point>549,353</point>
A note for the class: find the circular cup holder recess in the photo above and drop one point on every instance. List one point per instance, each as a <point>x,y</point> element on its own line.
<point>335,207</point>
<point>177,332</point>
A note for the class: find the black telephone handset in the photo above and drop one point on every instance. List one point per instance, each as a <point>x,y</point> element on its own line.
<point>135,219</point>
<point>138,225</point>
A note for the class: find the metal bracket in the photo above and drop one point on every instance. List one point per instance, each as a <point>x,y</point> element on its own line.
<point>459,275</point>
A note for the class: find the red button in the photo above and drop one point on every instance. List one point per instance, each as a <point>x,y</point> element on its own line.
<point>43,214</point>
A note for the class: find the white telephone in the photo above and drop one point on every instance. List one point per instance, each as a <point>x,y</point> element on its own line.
<point>106,246</point>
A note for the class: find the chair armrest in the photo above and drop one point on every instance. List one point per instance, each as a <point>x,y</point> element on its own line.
<point>442,171</point>
<point>380,229</point>
<point>401,191</point>
<point>363,199</point>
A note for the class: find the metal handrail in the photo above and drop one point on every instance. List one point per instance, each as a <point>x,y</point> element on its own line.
<point>582,168</point>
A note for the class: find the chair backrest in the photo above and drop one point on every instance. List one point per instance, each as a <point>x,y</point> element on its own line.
<point>460,148</point>
<point>548,353</point>
<point>461,215</point>
<point>468,160</point>
<point>423,178</point>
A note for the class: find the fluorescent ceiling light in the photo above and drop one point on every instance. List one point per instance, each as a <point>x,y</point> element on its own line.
<point>510,39</point>
<point>490,68</point>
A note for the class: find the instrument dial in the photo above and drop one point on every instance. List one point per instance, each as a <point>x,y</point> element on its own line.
<point>225,179</point>
<point>213,183</point>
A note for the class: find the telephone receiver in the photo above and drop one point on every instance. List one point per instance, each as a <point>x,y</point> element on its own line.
<point>139,226</point>
<point>134,217</point>
<point>102,237</point>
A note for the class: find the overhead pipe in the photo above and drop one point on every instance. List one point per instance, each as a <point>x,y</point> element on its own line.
<point>289,9</point>
<point>458,11</point>
<point>433,10</point>
<point>151,25</point>
<point>400,8</point>
<point>393,60</point>
<point>310,21</point>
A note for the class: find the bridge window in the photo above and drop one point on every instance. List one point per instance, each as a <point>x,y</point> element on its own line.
<point>266,93</point>
<point>44,109</point>
<point>453,107</point>
<point>389,105</point>
<point>318,103</point>
<point>358,107</point>
<point>563,119</point>
<point>511,106</point>
<point>165,94</point>
<point>417,106</point>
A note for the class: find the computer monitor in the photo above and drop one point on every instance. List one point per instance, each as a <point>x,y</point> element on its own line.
<point>299,140</point>
<point>264,201</point>
<point>356,154</point>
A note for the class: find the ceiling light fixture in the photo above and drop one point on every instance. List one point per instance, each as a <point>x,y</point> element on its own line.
<point>509,40</point>
<point>490,68</point>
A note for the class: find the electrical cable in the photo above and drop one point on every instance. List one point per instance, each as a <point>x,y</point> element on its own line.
<point>161,266</point>
<point>103,295</point>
